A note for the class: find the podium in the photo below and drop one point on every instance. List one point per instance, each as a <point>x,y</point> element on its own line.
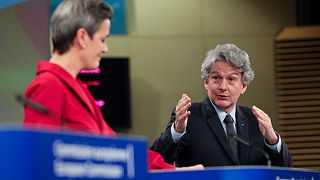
<point>238,172</point>
<point>42,155</point>
<point>45,155</point>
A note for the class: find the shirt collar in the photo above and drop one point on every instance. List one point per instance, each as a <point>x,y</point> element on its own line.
<point>222,114</point>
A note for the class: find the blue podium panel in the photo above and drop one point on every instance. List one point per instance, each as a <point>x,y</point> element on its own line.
<point>240,172</point>
<point>33,154</point>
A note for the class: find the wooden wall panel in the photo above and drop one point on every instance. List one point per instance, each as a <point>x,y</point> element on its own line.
<point>297,69</point>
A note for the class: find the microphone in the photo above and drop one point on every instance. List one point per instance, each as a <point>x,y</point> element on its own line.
<point>242,141</point>
<point>37,107</point>
<point>34,105</point>
<point>44,110</point>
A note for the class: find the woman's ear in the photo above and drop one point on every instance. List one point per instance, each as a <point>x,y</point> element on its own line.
<point>82,37</point>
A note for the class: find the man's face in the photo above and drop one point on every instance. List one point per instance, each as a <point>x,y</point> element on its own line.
<point>97,46</point>
<point>224,85</point>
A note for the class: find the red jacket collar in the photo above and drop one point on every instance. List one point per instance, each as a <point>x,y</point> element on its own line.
<point>74,85</point>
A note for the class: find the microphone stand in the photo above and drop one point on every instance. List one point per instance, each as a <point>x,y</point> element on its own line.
<point>38,107</point>
<point>34,105</point>
<point>44,110</point>
<point>246,143</point>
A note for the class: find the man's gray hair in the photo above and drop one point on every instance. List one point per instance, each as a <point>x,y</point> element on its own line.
<point>230,53</point>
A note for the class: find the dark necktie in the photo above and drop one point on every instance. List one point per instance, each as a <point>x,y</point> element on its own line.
<point>228,120</point>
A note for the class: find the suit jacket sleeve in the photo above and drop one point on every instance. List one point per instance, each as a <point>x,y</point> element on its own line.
<point>165,144</point>
<point>280,159</point>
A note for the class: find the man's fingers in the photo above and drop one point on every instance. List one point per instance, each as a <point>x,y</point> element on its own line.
<point>262,122</point>
<point>186,107</point>
<point>184,116</point>
<point>185,100</point>
<point>260,114</point>
<point>182,113</point>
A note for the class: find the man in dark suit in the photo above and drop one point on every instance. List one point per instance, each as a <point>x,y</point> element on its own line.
<point>207,132</point>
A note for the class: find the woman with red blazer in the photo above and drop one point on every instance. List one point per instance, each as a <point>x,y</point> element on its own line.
<point>79,31</point>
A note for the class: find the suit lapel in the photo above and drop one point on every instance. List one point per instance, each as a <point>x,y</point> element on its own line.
<point>242,132</point>
<point>215,125</point>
